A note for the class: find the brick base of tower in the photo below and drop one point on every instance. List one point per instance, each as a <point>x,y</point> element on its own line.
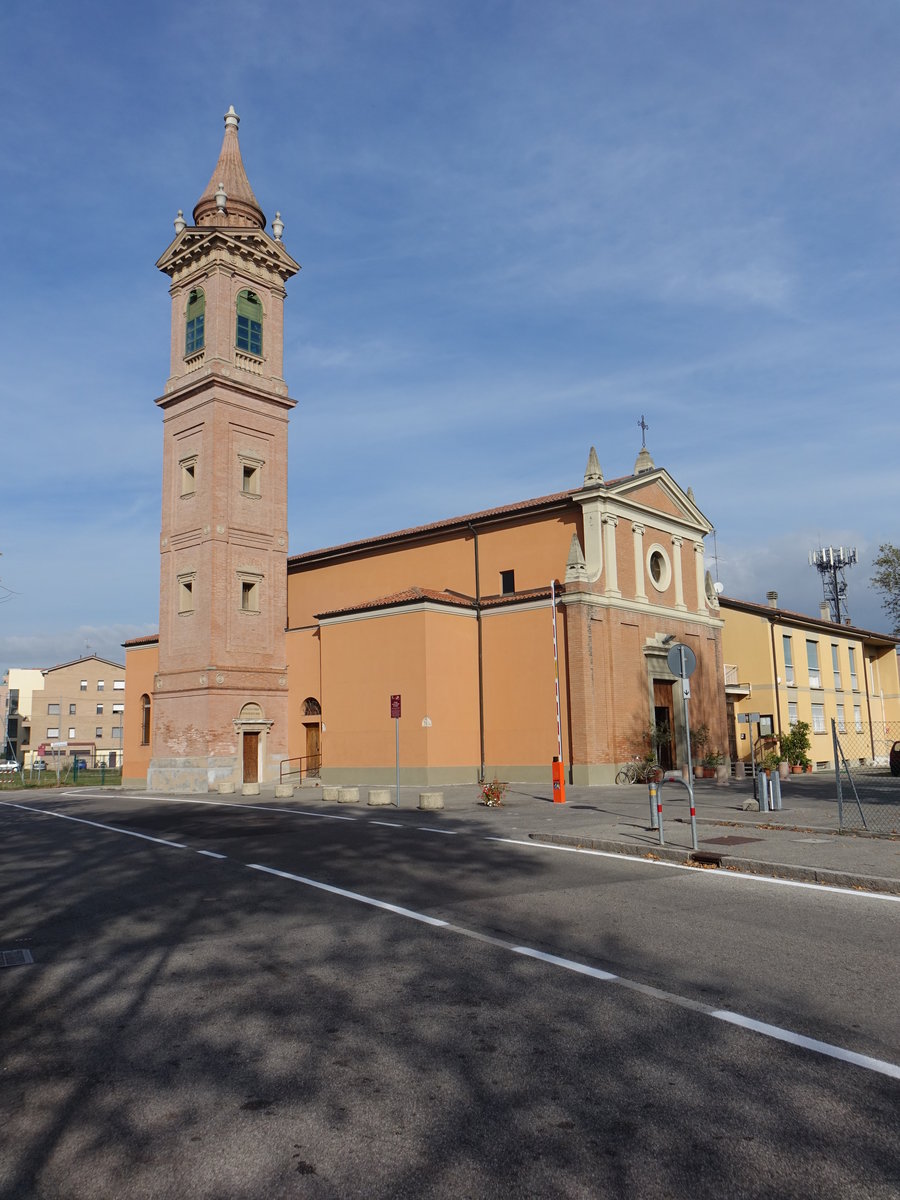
<point>218,729</point>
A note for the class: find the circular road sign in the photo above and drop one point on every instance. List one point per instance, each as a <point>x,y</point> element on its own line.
<point>682,660</point>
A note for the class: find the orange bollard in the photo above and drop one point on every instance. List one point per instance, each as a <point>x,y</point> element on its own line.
<point>559,782</point>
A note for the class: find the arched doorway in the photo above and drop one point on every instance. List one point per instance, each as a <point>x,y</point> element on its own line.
<point>252,727</point>
<point>312,724</point>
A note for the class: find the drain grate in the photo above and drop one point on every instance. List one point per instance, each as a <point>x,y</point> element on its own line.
<point>731,840</point>
<point>15,958</point>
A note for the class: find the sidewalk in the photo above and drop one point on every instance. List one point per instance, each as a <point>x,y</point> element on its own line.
<point>801,842</point>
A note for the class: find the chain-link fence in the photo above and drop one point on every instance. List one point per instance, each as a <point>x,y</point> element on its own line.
<point>868,792</point>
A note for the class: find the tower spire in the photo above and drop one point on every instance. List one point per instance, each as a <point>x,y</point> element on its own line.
<point>239,208</point>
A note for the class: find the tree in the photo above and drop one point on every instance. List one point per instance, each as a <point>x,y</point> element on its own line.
<point>887,581</point>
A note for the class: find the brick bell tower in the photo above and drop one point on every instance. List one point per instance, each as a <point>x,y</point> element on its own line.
<point>220,695</point>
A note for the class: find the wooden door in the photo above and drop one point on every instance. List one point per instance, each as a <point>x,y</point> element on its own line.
<point>251,758</point>
<point>663,717</point>
<point>312,744</point>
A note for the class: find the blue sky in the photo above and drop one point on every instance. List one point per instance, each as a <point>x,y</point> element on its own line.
<point>521,226</point>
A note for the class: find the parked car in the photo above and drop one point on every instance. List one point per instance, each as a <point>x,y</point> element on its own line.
<point>9,766</point>
<point>39,765</point>
<point>895,758</point>
<point>81,764</point>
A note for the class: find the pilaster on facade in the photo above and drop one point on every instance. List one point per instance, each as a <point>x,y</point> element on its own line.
<point>677,543</point>
<point>610,521</point>
<point>700,576</point>
<point>640,592</point>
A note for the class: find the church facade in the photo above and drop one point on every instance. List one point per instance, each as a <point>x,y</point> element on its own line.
<point>512,636</point>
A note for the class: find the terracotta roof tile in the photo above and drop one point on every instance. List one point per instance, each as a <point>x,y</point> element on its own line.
<point>410,595</point>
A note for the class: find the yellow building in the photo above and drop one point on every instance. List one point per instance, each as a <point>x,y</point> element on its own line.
<point>789,667</point>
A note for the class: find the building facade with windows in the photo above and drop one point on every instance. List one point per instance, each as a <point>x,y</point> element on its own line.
<point>79,713</point>
<point>789,667</point>
<point>16,689</point>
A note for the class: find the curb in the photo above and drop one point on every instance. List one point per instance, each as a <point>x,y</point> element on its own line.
<point>705,859</point>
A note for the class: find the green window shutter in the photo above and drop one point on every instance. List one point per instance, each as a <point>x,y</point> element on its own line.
<point>248,333</point>
<point>195,323</point>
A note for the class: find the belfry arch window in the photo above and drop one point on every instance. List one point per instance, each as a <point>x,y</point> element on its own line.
<point>195,323</point>
<point>311,707</point>
<point>248,332</point>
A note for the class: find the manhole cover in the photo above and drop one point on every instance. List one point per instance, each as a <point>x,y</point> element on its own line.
<point>15,958</point>
<point>730,840</point>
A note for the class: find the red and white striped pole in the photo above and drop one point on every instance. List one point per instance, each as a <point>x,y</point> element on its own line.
<point>559,782</point>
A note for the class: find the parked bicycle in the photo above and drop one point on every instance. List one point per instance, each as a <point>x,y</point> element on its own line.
<point>640,770</point>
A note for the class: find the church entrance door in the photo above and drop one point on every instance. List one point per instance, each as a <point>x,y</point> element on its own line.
<point>663,718</point>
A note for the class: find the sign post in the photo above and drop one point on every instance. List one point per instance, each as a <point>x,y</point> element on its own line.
<point>752,719</point>
<point>395,715</point>
<point>682,661</point>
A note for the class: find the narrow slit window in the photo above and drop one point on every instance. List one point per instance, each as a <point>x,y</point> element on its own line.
<point>188,476</point>
<point>248,335</point>
<point>186,593</point>
<point>507,583</point>
<point>250,479</point>
<point>195,323</point>
<point>250,595</point>
<point>145,720</point>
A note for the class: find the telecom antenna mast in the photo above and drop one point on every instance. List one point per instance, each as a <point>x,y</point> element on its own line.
<point>831,562</point>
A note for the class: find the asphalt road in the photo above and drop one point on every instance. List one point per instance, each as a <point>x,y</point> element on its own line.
<point>268,1002</point>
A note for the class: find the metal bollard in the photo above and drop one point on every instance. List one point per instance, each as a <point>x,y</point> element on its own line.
<point>654,820</point>
<point>776,792</point>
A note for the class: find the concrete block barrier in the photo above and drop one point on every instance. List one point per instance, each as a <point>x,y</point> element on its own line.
<point>349,795</point>
<point>226,789</point>
<point>250,789</point>
<point>331,793</point>
<point>283,790</point>
<point>431,800</point>
<point>380,796</point>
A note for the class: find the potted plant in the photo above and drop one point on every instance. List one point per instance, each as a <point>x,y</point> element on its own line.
<point>711,760</point>
<point>795,747</point>
<point>769,761</point>
<point>699,742</point>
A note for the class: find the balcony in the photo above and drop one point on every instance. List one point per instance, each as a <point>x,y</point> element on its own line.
<point>733,686</point>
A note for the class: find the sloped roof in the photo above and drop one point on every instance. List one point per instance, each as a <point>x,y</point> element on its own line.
<point>807,622</point>
<point>410,595</point>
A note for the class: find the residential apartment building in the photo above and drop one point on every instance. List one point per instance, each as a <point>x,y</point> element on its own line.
<point>16,689</point>
<point>79,713</point>
<point>789,667</point>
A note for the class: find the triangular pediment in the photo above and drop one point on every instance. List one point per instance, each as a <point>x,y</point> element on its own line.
<point>657,492</point>
<point>195,243</point>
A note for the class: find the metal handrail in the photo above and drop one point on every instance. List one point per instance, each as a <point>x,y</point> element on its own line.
<point>313,766</point>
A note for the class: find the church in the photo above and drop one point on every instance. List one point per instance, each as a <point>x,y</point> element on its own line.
<point>487,644</point>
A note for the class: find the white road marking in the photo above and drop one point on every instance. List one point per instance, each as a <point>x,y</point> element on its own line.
<point>212,854</point>
<point>97,825</point>
<point>297,812</point>
<point>433,829</point>
<point>880,1066</point>
<point>358,897</point>
<point>389,824</point>
<point>722,873</point>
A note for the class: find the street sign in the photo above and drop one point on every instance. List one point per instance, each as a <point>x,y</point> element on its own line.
<point>395,708</point>
<point>748,718</point>
<point>682,660</point>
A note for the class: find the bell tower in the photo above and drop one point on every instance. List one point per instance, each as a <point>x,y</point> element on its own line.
<point>220,695</point>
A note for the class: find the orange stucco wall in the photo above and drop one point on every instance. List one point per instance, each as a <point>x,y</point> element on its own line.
<point>426,657</point>
<point>141,664</point>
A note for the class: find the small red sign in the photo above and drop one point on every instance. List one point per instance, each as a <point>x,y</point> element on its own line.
<point>395,707</point>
